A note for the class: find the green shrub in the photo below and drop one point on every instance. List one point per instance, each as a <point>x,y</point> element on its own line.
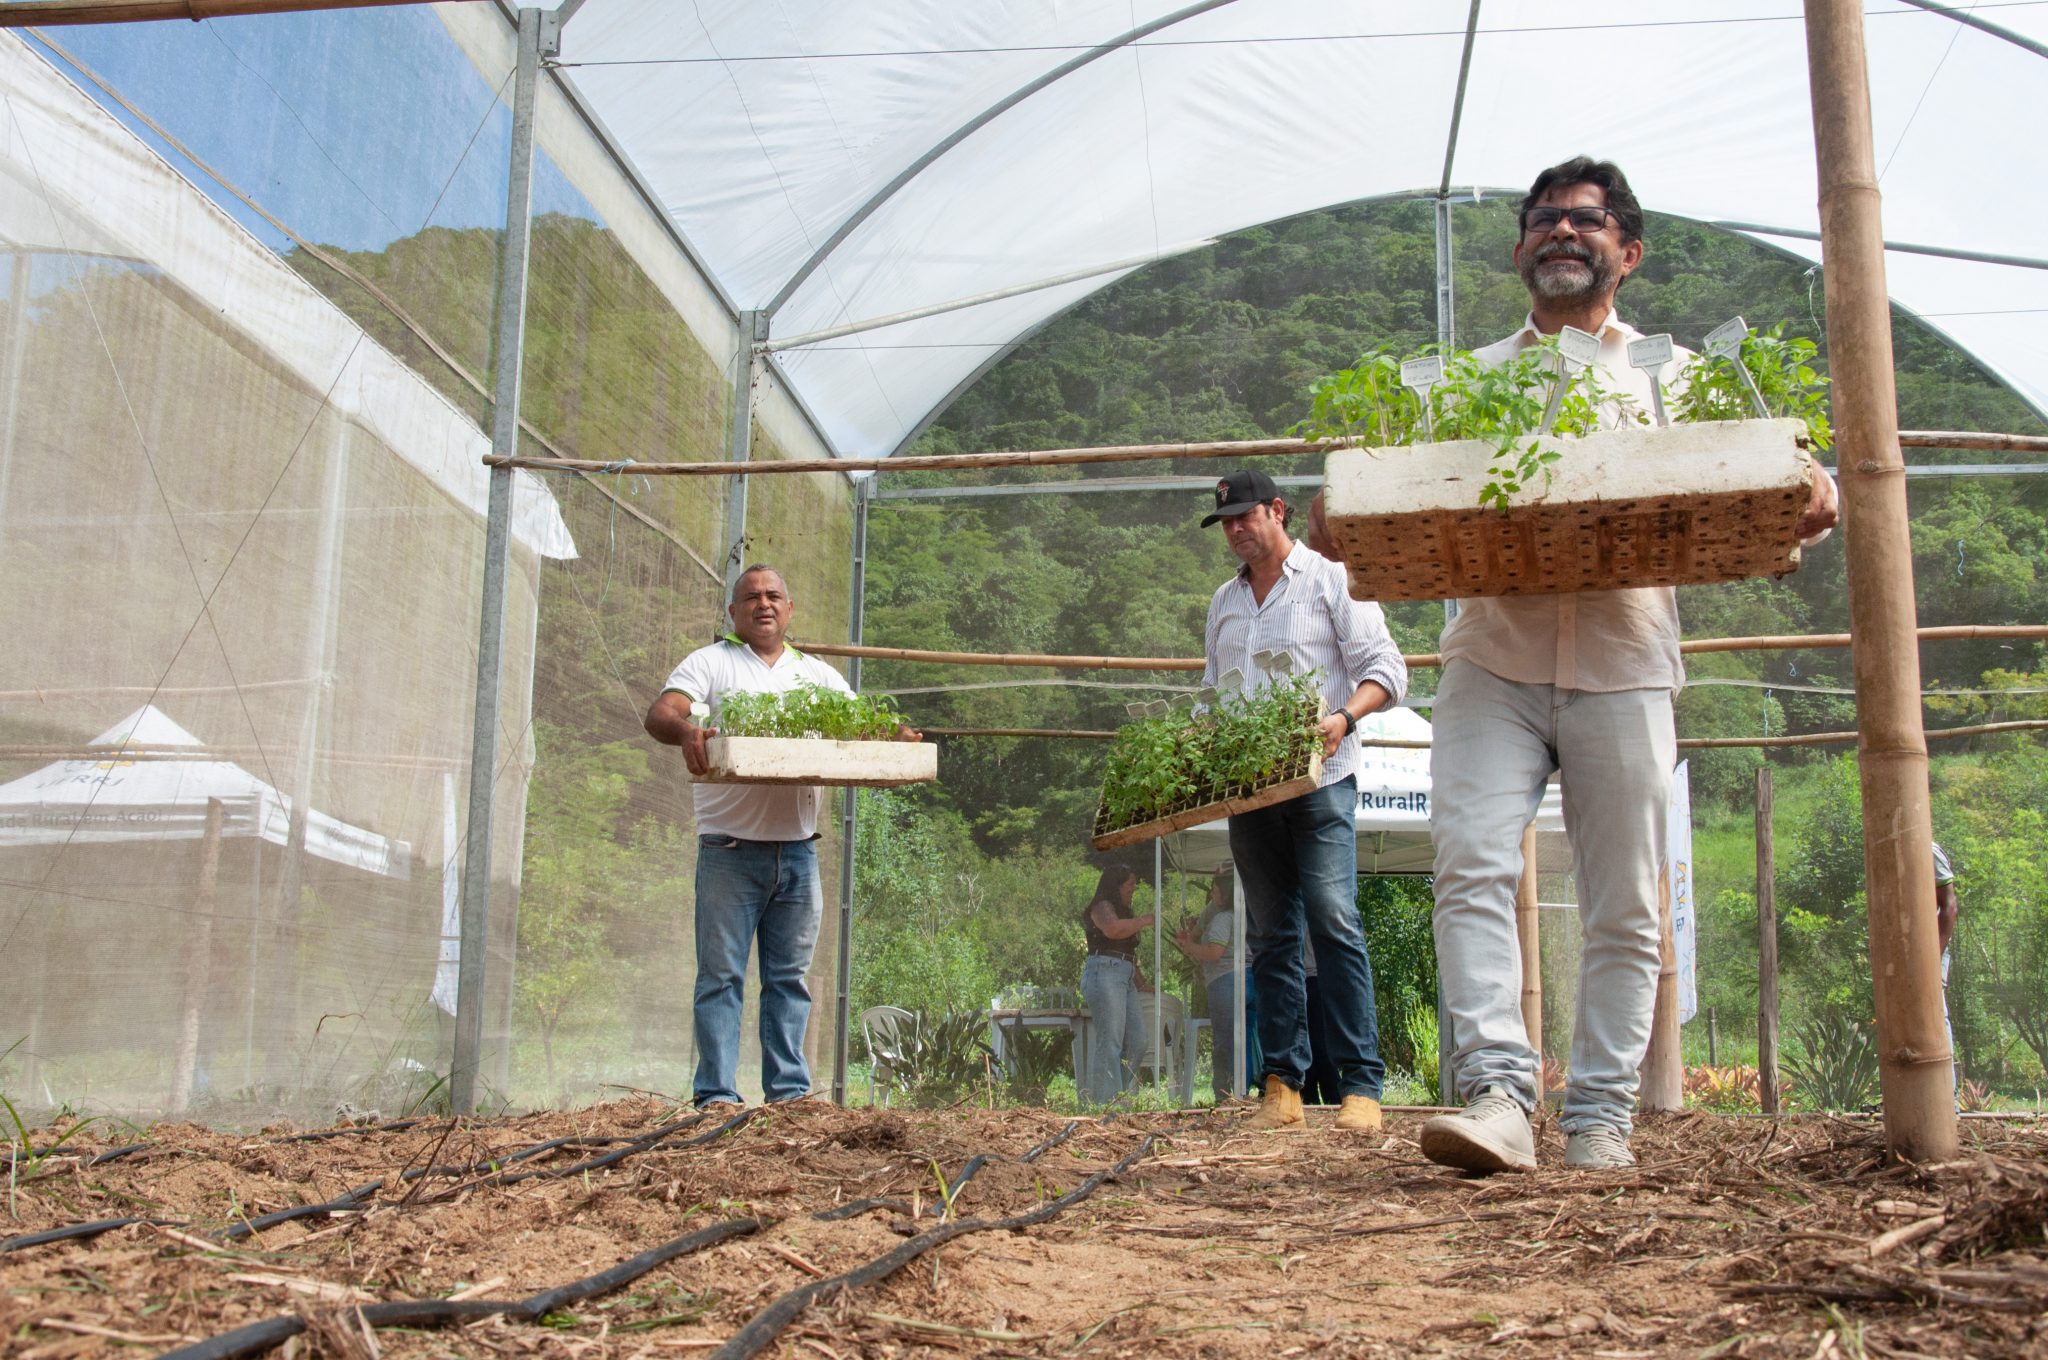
<point>1836,1068</point>
<point>941,1058</point>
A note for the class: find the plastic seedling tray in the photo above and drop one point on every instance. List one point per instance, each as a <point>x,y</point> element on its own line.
<point>809,760</point>
<point>1303,776</point>
<point>1687,505</point>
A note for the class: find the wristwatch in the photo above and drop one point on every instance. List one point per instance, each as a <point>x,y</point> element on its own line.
<point>1350,723</point>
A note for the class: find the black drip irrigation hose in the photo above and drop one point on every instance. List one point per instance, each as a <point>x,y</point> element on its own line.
<point>352,1199</point>
<point>1049,1144</point>
<point>761,1331</point>
<point>355,1199</point>
<point>854,1208</point>
<point>77,1230</point>
<point>644,1143</point>
<point>258,1337</point>
<point>572,1140</point>
<point>349,1130</point>
<point>97,1159</point>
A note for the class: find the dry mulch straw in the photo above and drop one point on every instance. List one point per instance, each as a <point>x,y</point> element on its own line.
<point>681,1237</point>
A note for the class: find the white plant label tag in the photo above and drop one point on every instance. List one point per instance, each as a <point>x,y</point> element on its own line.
<point>1577,346</point>
<point>1232,679</point>
<point>1424,373</point>
<point>1726,339</point>
<point>1651,352</point>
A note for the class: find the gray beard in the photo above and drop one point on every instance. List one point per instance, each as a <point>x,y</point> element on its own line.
<point>1557,286</point>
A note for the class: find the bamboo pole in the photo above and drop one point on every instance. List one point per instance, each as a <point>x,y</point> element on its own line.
<point>1663,1070</point>
<point>1961,632</point>
<point>1766,949</point>
<point>1971,439</point>
<point>1913,1052</point>
<point>1114,453</point>
<point>1844,738</point>
<point>29,13</point>
<point>1401,744</point>
<point>1528,933</point>
<point>198,961</point>
<point>1781,642</point>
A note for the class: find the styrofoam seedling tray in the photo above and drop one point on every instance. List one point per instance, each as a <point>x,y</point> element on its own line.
<point>804,760</point>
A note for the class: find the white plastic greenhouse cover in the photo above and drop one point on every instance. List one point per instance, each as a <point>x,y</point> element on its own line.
<point>767,130</point>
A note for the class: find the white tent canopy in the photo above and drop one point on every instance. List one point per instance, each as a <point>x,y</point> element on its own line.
<point>833,163</point>
<point>120,799</point>
<point>1393,809</point>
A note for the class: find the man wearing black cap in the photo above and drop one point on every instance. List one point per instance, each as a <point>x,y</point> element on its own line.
<point>1298,860</point>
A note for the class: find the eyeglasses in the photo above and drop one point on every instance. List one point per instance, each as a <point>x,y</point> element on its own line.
<point>1540,221</point>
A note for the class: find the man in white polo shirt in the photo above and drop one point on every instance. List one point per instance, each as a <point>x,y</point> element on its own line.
<point>757,859</point>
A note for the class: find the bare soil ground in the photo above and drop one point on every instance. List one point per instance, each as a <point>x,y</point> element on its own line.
<point>1732,1238</point>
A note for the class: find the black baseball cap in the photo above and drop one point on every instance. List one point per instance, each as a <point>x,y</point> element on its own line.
<point>1240,491</point>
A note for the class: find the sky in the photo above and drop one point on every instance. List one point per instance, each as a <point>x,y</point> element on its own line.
<point>401,134</point>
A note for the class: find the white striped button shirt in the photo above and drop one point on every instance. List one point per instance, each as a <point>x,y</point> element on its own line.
<point>1310,614</point>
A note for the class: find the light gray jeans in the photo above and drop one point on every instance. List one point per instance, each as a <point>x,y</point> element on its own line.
<point>1496,743</point>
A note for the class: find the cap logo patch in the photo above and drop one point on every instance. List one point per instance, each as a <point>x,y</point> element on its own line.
<point>1222,492</point>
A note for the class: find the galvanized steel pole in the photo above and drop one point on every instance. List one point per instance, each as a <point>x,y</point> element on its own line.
<point>753,330</point>
<point>1159,963</point>
<point>842,1010</point>
<point>490,647</point>
<point>1913,1052</point>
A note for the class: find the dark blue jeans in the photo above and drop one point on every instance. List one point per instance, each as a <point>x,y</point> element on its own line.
<point>1298,862</point>
<point>765,894</point>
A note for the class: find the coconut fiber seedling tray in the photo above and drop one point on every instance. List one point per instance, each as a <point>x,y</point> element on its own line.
<point>1210,804</point>
<point>1687,505</point>
<point>811,760</point>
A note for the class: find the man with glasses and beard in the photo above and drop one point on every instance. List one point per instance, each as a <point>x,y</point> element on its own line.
<point>1578,684</point>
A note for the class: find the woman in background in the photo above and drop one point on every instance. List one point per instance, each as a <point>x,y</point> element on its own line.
<point>1110,983</point>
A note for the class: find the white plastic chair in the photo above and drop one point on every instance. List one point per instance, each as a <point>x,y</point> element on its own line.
<point>892,1024</point>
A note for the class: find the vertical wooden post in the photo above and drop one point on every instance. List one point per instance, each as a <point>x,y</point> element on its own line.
<point>1663,1070</point>
<point>198,961</point>
<point>1766,949</point>
<point>1528,930</point>
<point>1905,963</point>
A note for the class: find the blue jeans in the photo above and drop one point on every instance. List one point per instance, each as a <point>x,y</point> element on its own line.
<point>1116,1027</point>
<point>748,890</point>
<point>1298,862</point>
<point>1223,1037</point>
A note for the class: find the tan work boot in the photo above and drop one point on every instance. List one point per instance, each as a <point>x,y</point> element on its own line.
<point>1359,1112</point>
<point>1281,1109</point>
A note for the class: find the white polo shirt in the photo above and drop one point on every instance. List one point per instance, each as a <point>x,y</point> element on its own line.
<point>753,812</point>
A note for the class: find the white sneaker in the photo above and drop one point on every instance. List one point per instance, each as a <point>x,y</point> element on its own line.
<point>1600,1147</point>
<point>1489,1134</point>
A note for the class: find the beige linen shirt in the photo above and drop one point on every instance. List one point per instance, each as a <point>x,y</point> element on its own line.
<point>1600,640</point>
